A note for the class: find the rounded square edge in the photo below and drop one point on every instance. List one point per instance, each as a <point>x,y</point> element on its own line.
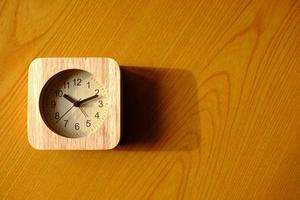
<point>33,66</point>
<point>116,64</point>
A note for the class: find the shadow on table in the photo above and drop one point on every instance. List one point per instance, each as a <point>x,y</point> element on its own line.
<point>160,110</point>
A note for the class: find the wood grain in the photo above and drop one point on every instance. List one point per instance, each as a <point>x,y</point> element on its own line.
<point>211,98</point>
<point>106,71</point>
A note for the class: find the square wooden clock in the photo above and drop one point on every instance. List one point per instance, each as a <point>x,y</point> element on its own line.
<point>74,103</point>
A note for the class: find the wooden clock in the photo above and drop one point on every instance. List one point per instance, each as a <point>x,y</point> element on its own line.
<point>74,103</point>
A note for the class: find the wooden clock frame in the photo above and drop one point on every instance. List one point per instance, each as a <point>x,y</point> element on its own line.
<point>106,71</point>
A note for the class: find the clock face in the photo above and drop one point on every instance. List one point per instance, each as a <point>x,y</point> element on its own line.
<point>73,104</point>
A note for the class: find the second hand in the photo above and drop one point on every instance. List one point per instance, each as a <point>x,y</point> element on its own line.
<point>65,114</point>
<point>83,111</point>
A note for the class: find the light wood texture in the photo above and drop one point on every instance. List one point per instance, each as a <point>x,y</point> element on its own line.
<point>211,99</point>
<point>105,71</point>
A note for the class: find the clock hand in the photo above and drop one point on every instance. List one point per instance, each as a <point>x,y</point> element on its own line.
<point>65,113</point>
<point>69,98</point>
<point>83,111</point>
<point>78,103</point>
<point>72,100</point>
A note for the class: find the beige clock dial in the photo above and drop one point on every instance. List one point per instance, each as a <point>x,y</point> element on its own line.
<point>73,104</point>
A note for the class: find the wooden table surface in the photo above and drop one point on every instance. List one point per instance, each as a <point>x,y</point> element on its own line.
<point>211,99</point>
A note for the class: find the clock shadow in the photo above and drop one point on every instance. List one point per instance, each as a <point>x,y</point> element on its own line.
<point>160,110</point>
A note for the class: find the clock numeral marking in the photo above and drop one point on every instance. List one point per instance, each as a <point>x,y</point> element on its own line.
<point>76,126</point>
<point>67,84</point>
<point>66,122</point>
<point>59,93</point>
<point>52,104</point>
<point>56,115</point>
<point>100,103</point>
<point>77,82</point>
<point>97,91</point>
<point>89,85</point>
<point>97,115</point>
<point>88,123</point>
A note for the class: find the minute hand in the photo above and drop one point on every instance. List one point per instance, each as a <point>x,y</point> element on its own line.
<point>78,103</point>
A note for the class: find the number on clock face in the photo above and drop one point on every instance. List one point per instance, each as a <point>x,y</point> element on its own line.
<point>73,103</point>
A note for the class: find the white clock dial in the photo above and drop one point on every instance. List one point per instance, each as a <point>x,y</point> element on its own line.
<point>73,104</point>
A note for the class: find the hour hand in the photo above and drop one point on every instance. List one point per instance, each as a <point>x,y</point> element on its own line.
<point>69,98</point>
